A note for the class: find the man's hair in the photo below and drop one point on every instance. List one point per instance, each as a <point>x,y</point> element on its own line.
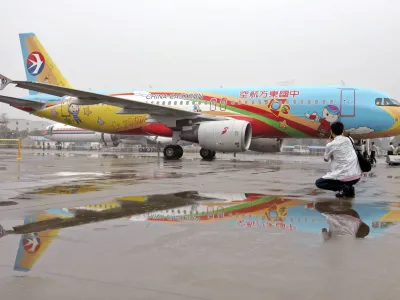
<point>362,231</point>
<point>337,128</point>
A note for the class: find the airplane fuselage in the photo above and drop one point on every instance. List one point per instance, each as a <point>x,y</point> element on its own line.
<point>274,112</point>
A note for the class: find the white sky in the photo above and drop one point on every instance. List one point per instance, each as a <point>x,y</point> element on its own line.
<point>188,43</point>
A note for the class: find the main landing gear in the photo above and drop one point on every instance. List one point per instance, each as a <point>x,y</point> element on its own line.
<point>173,152</point>
<point>176,152</point>
<point>207,154</point>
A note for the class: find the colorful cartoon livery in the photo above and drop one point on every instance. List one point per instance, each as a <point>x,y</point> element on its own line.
<point>218,119</point>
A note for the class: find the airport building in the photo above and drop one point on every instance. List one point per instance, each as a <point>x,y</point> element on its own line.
<point>29,125</point>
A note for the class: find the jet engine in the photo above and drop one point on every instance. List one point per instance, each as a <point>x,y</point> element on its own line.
<point>110,138</point>
<point>223,136</point>
<point>266,145</point>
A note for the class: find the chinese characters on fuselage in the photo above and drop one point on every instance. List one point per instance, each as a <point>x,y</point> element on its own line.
<point>268,94</point>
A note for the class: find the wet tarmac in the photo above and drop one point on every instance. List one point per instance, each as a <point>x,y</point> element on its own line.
<point>93,226</point>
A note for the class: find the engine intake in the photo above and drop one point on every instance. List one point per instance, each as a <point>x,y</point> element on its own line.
<point>223,136</point>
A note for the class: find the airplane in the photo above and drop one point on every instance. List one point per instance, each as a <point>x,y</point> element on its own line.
<point>243,210</point>
<point>69,134</point>
<point>226,120</point>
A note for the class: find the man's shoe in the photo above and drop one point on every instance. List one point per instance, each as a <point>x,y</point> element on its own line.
<point>346,191</point>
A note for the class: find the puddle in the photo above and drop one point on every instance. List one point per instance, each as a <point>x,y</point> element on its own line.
<point>237,210</point>
<point>204,207</point>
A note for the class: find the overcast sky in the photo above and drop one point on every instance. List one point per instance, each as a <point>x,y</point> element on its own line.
<point>187,43</point>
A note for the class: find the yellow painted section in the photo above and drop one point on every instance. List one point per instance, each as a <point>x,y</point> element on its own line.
<point>98,117</point>
<point>391,216</point>
<point>50,74</point>
<point>73,189</point>
<point>133,198</point>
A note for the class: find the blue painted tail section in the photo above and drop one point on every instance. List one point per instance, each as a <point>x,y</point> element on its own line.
<point>24,49</point>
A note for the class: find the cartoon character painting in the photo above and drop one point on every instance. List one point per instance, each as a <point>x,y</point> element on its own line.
<point>330,114</point>
<point>196,107</point>
<point>74,111</point>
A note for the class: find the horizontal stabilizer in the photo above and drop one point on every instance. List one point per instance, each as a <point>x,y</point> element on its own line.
<point>22,102</point>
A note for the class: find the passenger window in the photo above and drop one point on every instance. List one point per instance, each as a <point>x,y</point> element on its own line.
<point>181,102</point>
<point>193,102</point>
<point>187,102</point>
<point>294,101</point>
<point>331,102</point>
<point>302,102</point>
<point>239,102</point>
<point>309,101</point>
<point>259,101</point>
<point>152,102</point>
<point>163,103</point>
<point>169,102</point>
<point>316,101</point>
<point>175,103</point>
<point>323,101</point>
<point>252,102</point>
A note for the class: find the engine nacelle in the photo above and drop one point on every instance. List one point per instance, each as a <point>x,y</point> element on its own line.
<point>266,145</point>
<point>223,136</point>
<point>107,139</point>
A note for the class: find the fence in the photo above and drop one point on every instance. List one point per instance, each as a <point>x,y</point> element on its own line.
<point>12,144</point>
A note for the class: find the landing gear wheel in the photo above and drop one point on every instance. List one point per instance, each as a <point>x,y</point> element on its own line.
<point>179,151</point>
<point>173,152</point>
<point>207,154</point>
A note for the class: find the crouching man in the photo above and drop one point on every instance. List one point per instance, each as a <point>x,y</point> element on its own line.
<point>345,170</point>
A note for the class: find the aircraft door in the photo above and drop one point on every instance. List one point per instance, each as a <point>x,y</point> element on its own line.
<point>213,104</point>
<point>347,102</point>
<point>222,104</point>
<point>64,107</point>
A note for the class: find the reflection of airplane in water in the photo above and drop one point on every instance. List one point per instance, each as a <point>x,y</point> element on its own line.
<point>242,210</point>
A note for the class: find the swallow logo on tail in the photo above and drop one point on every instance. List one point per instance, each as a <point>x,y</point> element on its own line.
<point>31,243</point>
<point>35,63</point>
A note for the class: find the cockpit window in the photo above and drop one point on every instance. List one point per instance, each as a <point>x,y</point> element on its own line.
<point>386,102</point>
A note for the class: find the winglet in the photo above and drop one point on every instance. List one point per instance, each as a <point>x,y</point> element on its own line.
<point>4,81</point>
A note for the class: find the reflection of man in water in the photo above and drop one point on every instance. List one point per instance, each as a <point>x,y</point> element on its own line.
<point>342,220</point>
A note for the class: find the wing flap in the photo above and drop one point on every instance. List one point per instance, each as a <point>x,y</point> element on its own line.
<point>22,102</point>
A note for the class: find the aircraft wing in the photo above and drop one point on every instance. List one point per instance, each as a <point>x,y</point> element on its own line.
<point>22,102</point>
<point>129,106</point>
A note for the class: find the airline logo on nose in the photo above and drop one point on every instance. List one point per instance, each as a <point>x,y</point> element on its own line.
<point>224,130</point>
<point>35,63</point>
